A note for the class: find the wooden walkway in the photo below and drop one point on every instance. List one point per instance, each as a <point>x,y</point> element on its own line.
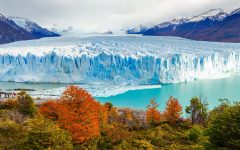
<point>5,95</point>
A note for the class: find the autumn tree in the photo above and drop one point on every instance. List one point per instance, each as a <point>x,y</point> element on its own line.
<point>197,110</point>
<point>78,112</point>
<point>173,110</point>
<point>103,116</point>
<point>113,115</point>
<point>129,119</point>
<point>126,116</point>
<point>152,114</point>
<point>52,110</point>
<point>108,106</point>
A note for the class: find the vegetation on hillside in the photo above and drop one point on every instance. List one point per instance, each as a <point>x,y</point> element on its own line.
<point>77,121</point>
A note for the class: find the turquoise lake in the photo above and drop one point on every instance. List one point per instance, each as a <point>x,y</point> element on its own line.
<point>211,90</point>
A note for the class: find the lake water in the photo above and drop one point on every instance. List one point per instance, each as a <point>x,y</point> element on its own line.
<point>212,90</point>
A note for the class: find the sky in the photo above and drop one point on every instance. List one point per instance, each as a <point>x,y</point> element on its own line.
<point>104,15</point>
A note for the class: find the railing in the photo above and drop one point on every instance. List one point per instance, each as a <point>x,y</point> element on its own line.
<point>4,95</point>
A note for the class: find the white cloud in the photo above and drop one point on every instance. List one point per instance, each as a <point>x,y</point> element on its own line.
<point>93,15</point>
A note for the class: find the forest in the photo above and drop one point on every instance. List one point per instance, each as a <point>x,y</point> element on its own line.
<point>76,121</point>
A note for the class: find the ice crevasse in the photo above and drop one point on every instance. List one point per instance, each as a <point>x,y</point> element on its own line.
<point>116,60</point>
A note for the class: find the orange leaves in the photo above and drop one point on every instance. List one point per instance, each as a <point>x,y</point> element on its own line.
<point>103,116</point>
<point>113,115</point>
<point>127,117</point>
<point>51,110</point>
<point>153,116</point>
<point>78,112</point>
<point>173,110</point>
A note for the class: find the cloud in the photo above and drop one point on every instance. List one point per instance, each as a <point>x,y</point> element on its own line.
<point>94,15</point>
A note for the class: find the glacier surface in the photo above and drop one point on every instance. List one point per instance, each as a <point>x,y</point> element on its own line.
<point>120,60</point>
<point>96,91</point>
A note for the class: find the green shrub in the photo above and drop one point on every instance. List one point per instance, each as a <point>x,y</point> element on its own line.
<point>9,104</point>
<point>197,111</point>
<point>124,145</point>
<point>194,133</point>
<point>224,129</point>
<point>12,115</point>
<point>25,104</point>
<point>44,134</point>
<point>12,135</point>
<point>92,144</point>
<point>142,145</point>
<point>166,127</point>
<point>185,125</point>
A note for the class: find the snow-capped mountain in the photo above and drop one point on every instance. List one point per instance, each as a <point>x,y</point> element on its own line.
<point>213,15</point>
<point>16,29</point>
<point>32,27</point>
<point>10,32</point>
<point>236,11</point>
<point>140,29</point>
<point>213,25</point>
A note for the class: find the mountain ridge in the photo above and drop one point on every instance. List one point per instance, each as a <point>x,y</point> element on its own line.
<point>213,25</point>
<point>11,30</point>
<point>33,27</point>
<point>140,29</point>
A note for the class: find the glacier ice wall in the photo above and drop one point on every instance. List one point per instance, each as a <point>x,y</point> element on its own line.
<point>115,68</point>
<point>102,62</point>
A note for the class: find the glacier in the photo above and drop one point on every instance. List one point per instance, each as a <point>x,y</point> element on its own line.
<point>115,59</point>
<point>96,91</point>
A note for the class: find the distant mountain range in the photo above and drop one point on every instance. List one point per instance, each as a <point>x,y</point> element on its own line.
<point>213,25</point>
<point>140,29</point>
<point>16,29</point>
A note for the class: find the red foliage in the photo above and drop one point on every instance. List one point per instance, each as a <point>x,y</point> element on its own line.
<point>153,116</point>
<point>51,110</point>
<point>78,112</point>
<point>173,110</point>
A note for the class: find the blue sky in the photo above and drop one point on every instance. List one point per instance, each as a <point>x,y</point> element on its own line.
<point>100,15</point>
